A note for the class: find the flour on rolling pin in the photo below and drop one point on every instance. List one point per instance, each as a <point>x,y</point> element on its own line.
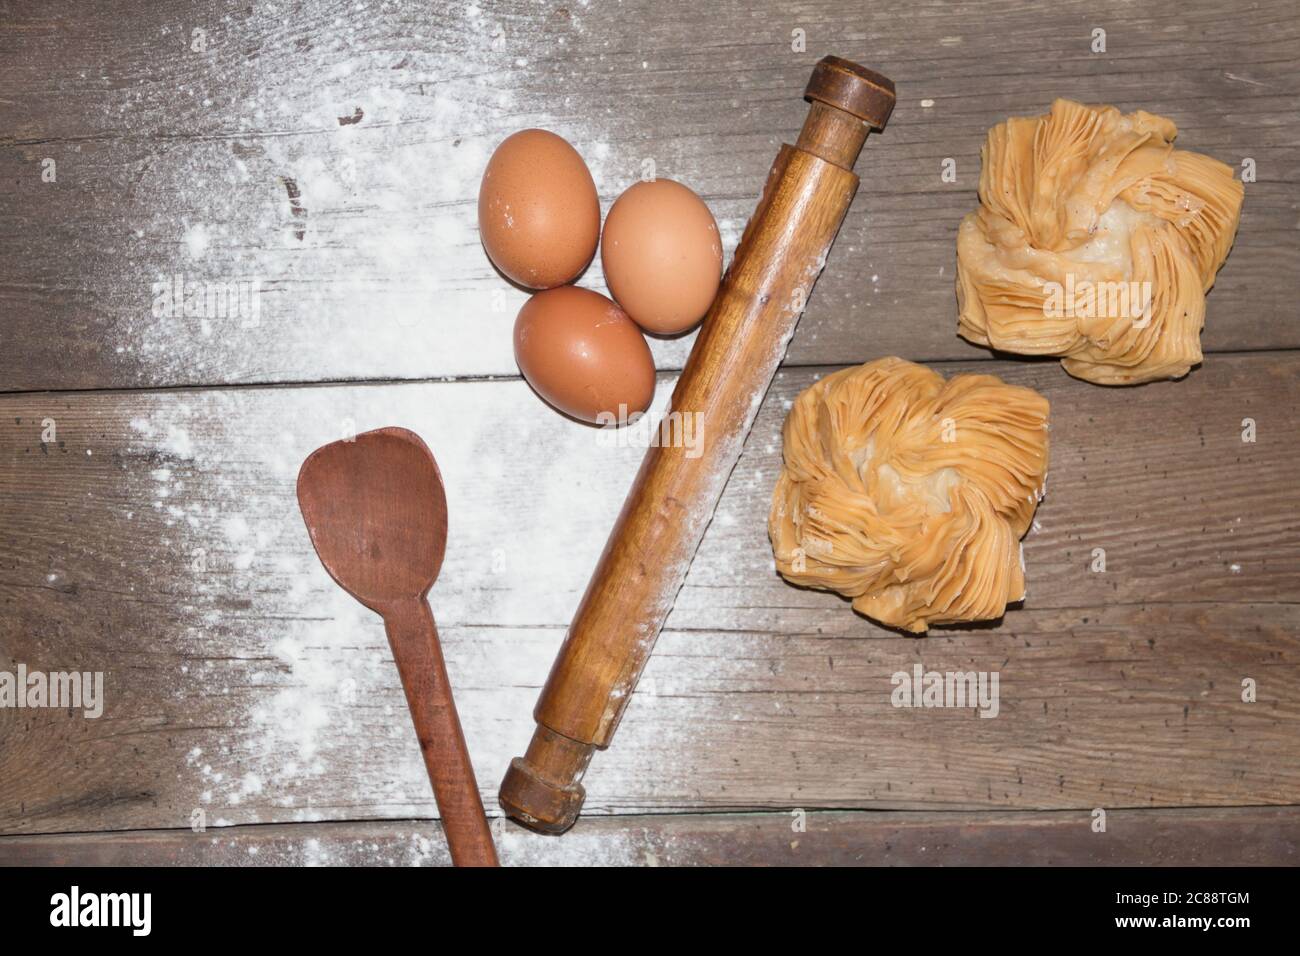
<point>700,515</point>
<point>740,345</point>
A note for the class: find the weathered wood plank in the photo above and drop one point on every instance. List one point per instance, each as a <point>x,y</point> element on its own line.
<point>1250,836</point>
<point>157,539</point>
<point>174,162</point>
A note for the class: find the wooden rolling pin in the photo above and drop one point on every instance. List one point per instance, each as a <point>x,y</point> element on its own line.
<point>743,339</point>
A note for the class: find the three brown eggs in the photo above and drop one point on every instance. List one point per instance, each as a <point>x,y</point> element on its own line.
<point>539,219</point>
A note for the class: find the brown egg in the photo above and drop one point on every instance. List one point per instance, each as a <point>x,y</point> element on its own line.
<point>538,212</point>
<point>662,256</point>
<point>583,354</point>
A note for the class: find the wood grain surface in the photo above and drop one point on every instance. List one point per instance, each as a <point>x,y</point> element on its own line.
<point>1120,688</point>
<point>246,163</point>
<point>1245,836</point>
<point>323,163</point>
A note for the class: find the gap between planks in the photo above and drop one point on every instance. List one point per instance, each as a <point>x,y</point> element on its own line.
<point>978,355</point>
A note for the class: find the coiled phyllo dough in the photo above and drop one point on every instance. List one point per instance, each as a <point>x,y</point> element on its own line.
<point>910,494</point>
<point>1095,240</point>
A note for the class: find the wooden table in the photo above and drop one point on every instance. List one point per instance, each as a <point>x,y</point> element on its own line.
<point>321,160</point>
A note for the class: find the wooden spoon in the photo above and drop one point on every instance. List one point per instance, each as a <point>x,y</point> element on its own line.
<point>377,515</point>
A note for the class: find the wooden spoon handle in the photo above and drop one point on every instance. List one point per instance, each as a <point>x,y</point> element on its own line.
<point>413,637</point>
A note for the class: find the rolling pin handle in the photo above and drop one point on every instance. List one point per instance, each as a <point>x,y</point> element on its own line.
<point>847,101</point>
<point>542,789</point>
<point>854,89</point>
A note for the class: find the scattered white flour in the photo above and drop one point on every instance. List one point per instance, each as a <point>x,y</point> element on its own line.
<point>332,232</point>
<point>590,843</point>
<point>349,204</point>
<point>299,675</point>
<point>196,241</point>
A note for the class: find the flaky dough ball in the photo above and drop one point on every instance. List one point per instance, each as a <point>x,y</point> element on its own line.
<point>910,494</point>
<point>1095,240</point>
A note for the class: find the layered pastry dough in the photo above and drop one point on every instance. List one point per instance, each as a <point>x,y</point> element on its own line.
<point>910,494</point>
<point>1095,240</point>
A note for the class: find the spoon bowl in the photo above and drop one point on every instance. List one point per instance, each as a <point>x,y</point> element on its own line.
<point>376,510</point>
